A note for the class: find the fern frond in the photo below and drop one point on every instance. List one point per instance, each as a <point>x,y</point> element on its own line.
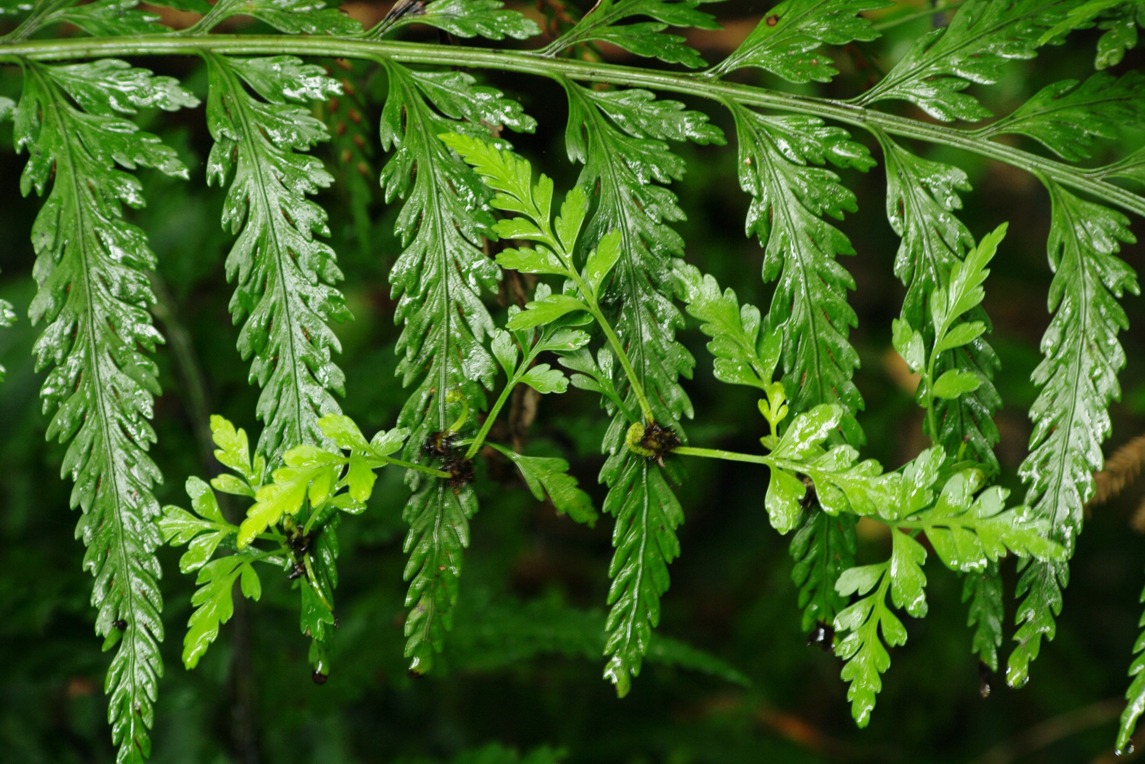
<point>619,135</point>
<point>787,37</point>
<point>440,279</point>
<point>290,16</point>
<point>981,37</point>
<point>1134,694</point>
<point>283,276</point>
<point>983,591</point>
<point>463,18</point>
<point>644,38</point>
<point>94,294</point>
<point>1078,380</point>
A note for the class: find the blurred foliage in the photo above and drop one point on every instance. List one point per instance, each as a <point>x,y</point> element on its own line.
<point>758,692</point>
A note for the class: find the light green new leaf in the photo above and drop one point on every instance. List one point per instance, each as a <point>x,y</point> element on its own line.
<point>786,40</point>
<point>545,379</point>
<point>783,500</point>
<point>908,582</point>
<point>540,312</point>
<point>866,658</point>
<point>601,260</point>
<point>955,382</point>
<point>743,355</point>
<point>212,602</point>
<point>309,474</point>
<point>201,534</point>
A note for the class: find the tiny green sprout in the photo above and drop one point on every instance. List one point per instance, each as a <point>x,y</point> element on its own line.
<point>774,410</point>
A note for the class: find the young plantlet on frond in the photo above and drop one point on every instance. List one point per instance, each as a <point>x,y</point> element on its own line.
<point>293,516</point>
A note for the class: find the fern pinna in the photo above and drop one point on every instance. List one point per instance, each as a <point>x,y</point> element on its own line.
<point>613,283</point>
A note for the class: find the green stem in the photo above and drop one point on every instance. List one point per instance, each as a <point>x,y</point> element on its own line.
<point>502,399</point>
<point>625,362</point>
<point>719,453</point>
<point>434,472</point>
<point>524,62</point>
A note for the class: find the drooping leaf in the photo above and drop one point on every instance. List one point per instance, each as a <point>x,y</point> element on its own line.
<point>439,281</point>
<point>822,548</point>
<point>867,624</point>
<point>1134,694</point>
<point>619,136</point>
<point>983,590</point>
<point>462,18</point>
<point>1078,380</point>
<point>283,275</point>
<point>92,271</point>
<point>973,48</point>
<point>787,38</point>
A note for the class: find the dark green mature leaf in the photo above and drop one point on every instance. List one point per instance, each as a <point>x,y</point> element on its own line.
<point>1069,117</point>
<point>1078,380</point>
<point>785,41</point>
<point>438,515</point>
<point>104,18</point>
<point>283,275</point>
<point>462,18</point>
<point>92,270</point>
<point>922,199</point>
<point>1131,168</point>
<point>987,611</point>
<point>647,514</point>
<point>439,279</point>
<point>974,47</point>
<point>1134,694</point>
<point>790,198</point>
<point>619,136</point>
<point>644,38</point>
<point>822,548</point>
<point>1118,18</point>
<point>289,16</point>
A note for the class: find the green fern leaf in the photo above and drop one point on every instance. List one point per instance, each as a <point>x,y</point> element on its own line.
<point>1078,380</point>
<point>547,475</point>
<point>93,295</point>
<point>743,354</point>
<point>439,279</point>
<point>789,199</point>
<point>974,47</point>
<point>644,38</point>
<point>619,136</point>
<point>289,16</point>
<point>822,548</point>
<point>212,602</point>
<point>987,612</point>
<point>201,532</point>
<point>283,275</point>
<point>463,18</point>
<point>787,38</point>
<point>922,198</point>
<point>104,18</point>
<point>1069,117</point>
<point>1135,694</point>
<point>866,658</point>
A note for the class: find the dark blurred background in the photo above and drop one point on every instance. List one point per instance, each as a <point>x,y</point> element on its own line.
<point>520,679</point>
